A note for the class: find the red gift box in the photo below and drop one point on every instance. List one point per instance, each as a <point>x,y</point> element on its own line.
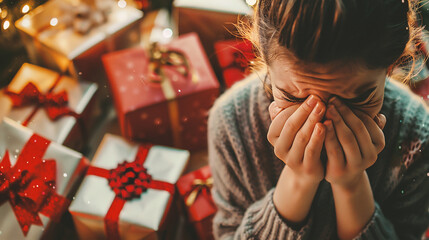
<point>194,188</point>
<point>160,100</point>
<point>234,57</point>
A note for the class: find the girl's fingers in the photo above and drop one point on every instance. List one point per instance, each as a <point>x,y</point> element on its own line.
<point>303,136</point>
<point>380,120</point>
<point>278,123</point>
<point>293,125</point>
<point>314,147</point>
<point>345,137</point>
<point>274,110</point>
<point>374,130</point>
<point>357,127</point>
<point>333,148</point>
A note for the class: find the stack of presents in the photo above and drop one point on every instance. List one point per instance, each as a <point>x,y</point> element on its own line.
<point>159,71</point>
<point>63,173</point>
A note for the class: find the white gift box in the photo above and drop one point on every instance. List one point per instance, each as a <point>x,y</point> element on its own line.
<point>140,217</point>
<point>69,168</point>
<point>51,44</point>
<point>66,129</point>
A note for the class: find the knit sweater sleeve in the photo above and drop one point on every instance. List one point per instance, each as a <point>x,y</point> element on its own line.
<point>239,216</point>
<point>404,214</point>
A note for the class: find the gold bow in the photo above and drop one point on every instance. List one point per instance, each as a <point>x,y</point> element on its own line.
<point>197,186</point>
<point>161,56</point>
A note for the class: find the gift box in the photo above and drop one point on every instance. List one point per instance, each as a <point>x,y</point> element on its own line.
<point>234,58</point>
<point>37,181</point>
<point>71,35</point>
<point>213,21</point>
<point>128,191</point>
<point>163,95</point>
<point>151,5</point>
<point>194,189</point>
<point>55,106</point>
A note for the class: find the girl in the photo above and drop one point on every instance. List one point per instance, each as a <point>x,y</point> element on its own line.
<point>336,150</point>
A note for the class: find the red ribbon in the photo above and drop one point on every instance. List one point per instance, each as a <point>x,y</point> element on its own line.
<point>29,185</point>
<point>55,104</point>
<point>129,180</point>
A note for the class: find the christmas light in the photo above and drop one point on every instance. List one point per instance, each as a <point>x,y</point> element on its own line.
<point>122,3</point>
<point>25,8</point>
<point>6,24</point>
<point>251,2</point>
<point>54,21</point>
<point>3,13</point>
<point>167,33</point>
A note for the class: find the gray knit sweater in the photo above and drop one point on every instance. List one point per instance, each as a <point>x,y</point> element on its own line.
<point>245,171</point>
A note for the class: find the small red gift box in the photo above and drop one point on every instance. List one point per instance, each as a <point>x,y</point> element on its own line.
<point>234,57</point>
<point>194,188</point>
<point>163,96</point>
<point>37,181</point>
<point>55,106</point>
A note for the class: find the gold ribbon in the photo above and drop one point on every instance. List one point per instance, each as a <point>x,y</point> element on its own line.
<point>160,57</point>
<point>197,186</point>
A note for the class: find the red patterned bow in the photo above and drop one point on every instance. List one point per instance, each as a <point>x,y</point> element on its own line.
<point>55,104</point>
<point>29,185</point>
<point>126,181</point>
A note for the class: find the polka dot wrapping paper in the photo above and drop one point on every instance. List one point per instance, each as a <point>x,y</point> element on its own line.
<point>167,105</point>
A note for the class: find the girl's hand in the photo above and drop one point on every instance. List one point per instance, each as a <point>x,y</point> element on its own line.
<point>353,141</point>
<point>297,136</point>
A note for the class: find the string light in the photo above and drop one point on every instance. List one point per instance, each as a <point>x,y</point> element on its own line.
<point>54,21</point>
<point>25,8</point>
<point>167,33</point>
<point>122,3</point>
<point>3,13</point>
<point>6,24</point>
<point>251,2</point>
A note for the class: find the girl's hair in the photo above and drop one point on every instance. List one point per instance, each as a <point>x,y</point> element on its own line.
<point>375,33</point>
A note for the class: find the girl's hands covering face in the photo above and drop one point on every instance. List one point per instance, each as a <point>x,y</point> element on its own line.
<point>298,135</point>
<point>351,138</point>
<point>353,141</point>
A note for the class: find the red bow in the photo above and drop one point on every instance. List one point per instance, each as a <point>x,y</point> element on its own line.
<point>128,181</point>
<point>29,186</point>
<point>55,104</point>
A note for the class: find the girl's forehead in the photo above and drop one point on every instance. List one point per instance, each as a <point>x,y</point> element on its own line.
<point>343,79</point>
